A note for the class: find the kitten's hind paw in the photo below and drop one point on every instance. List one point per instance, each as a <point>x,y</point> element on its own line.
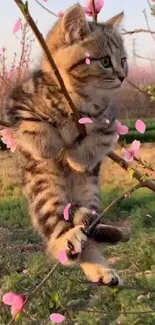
<point>75,242</point>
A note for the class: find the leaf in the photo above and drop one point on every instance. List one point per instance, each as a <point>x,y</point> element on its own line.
<point>131,172</point>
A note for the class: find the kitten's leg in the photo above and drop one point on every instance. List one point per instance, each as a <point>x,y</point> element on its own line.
<point>96,267</point>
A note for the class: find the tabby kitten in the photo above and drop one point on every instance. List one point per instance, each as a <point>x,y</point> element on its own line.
<point>43,124</point>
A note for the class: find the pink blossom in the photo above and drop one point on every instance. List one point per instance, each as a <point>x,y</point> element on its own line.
<point>17,26</point>
<point>60,13</point>
<point>15,301</point>
<point>140,297</point>
<point>8,139</point>
<point>57,318</point>
<point>89,8</point>
<point>140,126</point>
<point>132,152</point>
<point>121,129</point>
<point>45,0</point>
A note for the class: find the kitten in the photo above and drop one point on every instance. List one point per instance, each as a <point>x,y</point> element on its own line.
<point>43,124</point>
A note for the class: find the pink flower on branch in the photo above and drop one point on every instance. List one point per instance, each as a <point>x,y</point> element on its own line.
<point>15,301</point>
<point>132,152</point>
<point>89,6</point>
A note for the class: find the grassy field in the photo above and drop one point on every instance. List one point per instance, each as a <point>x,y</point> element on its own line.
<point>21,249</point>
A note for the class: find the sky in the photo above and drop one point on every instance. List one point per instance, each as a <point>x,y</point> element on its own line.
<point>134,18</point>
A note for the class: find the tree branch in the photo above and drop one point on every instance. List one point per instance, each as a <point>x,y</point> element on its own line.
<point>24,9</point>
<point>122,163</point>
<point>137,31</point>
<point>48,10</point>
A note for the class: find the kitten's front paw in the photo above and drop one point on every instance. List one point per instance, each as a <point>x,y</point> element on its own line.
<point>75,242</point>
<point>104,276</point>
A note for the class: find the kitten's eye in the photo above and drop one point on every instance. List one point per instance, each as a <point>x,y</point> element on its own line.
<point>123,62</point>
<point>106,62</point>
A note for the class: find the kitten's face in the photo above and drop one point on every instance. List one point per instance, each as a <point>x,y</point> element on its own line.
<point>73,36</point>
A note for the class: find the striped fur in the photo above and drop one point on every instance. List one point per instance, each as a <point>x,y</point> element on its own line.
<point>43,124</point>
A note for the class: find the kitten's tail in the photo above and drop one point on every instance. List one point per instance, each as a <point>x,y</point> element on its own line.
<point>109,234</point>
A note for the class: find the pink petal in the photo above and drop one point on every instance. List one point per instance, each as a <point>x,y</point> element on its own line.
<point>57,318</point>
<point>118,322</point>
<point>140,126</point>
<point>135,147</point>
<point>121,129</point>
<point>116,137</point>
<point>10,74</point>
<point>107,121</point>
<point>25,271</point>
<point>128,156</point>
<point>140,297</point>
<point>148,215</point>
<point>60,13</point>
<point>17,26</point>
<point>89,8</point>
<point>87,61</point>
<point>87,54</point>
<point>8,298</point>
<point>85,120</point>
<point>148,295</point>
<point>93,212</point>
<point>66,209</point>
<point>45,0</point>
<point>63,257</point>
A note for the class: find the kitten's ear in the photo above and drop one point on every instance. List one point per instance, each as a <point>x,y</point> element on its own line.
<point>74,24</point>
<point>115,21</point>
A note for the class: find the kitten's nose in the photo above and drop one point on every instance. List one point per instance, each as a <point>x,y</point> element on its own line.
<point>121,78</point>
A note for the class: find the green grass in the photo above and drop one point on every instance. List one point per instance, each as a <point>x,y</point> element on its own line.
<point>21,249</point>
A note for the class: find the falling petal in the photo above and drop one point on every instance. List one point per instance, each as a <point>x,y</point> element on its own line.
<point>140,297</point>
<point>87,61</point>
<point>25,271</point>
<point>85,120</point>
<point>66,209</point>
<point>148,215</point>
<point>116,137</point>
<point>57,318</point>
<point>107,121</point>
<point>93,212</point>
<point>63,256</point>
<point>148,295</point>
<point>17,26</point>
<point>140,126</point>
<point>87,54</point>
<point>121,129</point>
<point>118,322</point>
<point>45,0</point>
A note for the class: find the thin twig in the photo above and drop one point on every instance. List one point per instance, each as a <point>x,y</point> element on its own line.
<point>94,11</point>
<point>143,57</point>
<point>136,31</point>
<point>148,25</point>
<point>121,162</point>
<point>136,87</point>
<point>36,289</point>
<point>24,9</point>
<point>48,10</point>
<point>118,199</point>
